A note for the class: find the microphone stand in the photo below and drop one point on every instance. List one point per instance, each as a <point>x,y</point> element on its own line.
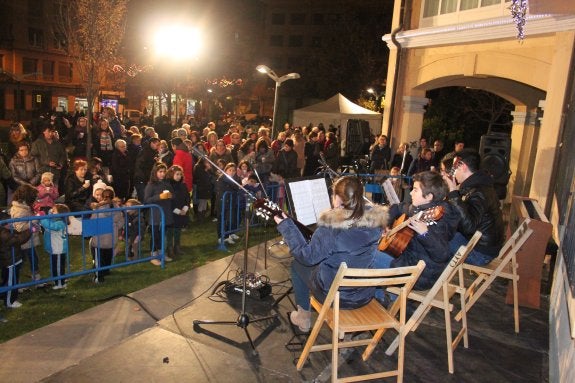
<point>243,320</point>
<point>333,174</point>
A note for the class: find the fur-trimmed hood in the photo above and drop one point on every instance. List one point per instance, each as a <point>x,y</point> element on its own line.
<point>373,216</point>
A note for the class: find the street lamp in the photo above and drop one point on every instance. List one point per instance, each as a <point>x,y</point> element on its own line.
<point>168,43</point>
<point>379,98</point>
<point>278,80</point>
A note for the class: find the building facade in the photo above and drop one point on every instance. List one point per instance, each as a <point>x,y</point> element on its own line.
<point>36,74</point>
<point>474,43</point>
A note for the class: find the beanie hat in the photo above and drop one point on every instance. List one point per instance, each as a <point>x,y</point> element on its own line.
<point>98,185</point>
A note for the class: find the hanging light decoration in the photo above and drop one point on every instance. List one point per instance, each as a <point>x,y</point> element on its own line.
<point>132,71</point>
<point>225,82</point>
<point>518,12</point>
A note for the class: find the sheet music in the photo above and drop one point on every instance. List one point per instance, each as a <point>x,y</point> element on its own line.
<point>389,191</point>
<point>310,198</point>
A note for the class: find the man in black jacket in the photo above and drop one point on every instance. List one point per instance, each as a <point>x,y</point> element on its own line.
<point>143,166</point>
<point>476,200</point>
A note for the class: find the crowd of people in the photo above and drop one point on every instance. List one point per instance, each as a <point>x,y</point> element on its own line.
<point>54,167</point>
<point>49,172</point>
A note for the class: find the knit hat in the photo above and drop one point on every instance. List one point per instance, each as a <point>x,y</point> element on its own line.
<point>98,185</point>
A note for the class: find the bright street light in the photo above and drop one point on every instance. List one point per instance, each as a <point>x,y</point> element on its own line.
<point>379,98</point>
<point>278,80</point>
<point>178,42</point>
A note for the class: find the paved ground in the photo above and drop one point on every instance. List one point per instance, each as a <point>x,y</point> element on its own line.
<point>119,341</point>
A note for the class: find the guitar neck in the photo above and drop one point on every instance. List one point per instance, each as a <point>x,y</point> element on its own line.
<point>399,227</point>
<point>274,210</point>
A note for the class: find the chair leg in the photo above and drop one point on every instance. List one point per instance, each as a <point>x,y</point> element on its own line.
<point>464,319</point>
<point>400,356</point>
<point>515,302</point>
<point>309,344</point>
<point>335,341</point>
<point>448,335</point>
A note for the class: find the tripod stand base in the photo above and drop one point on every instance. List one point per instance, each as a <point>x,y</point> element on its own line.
<point>243,322</point>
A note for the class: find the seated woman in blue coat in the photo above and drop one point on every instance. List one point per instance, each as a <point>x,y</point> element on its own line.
<point>431,237</point>
<point>349,232</point>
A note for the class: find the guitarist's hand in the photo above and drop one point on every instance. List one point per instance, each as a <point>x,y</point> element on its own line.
<point>278,218</point>
<point>418,226</point>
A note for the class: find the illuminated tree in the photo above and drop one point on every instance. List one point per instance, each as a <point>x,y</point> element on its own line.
<point>92,31</point>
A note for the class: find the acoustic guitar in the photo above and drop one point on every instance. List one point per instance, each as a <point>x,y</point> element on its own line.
<point>268,209</point>
<point>396,240</point>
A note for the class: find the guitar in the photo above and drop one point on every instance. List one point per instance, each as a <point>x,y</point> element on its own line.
<point>396,240</point>
<point>268,209</point>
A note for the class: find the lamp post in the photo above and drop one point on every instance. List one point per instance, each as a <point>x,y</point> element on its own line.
<point>278,80</point>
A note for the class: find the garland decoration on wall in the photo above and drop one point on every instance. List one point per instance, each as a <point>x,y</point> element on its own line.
<point>518,12</point>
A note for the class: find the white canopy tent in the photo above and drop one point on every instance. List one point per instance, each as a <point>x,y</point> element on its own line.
<point>337,110</point>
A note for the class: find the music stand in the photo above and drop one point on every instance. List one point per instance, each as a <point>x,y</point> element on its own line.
<point>243,320</point>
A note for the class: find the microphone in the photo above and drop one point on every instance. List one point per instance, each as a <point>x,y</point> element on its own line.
<point>322,158</point>
<point>198,153</point>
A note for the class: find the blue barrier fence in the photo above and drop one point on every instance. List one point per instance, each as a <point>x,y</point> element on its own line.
<point>99,232</point>
<point>231,218</point>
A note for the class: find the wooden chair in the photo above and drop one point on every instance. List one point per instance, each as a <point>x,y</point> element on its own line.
<point>504,266</point>
<point>439,296</point>
<point>371,317</point>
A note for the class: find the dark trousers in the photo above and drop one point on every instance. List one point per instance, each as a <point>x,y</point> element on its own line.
<point>58,266</point>
<point>140,190</point>
<point>102,258</point>
<point>156,236</point>
<point>32,256</point>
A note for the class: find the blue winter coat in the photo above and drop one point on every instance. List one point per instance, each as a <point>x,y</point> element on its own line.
<point>336,240</point>
<point>55,236</point>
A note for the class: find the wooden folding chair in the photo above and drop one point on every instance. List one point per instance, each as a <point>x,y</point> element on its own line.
<point>504,266</point>
<point>371,317</point>
<point>439,296</point>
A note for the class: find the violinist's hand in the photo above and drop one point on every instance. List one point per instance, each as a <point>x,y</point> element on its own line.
<point>450,181</point>
<point>279,219</point>
<point>418,226</point>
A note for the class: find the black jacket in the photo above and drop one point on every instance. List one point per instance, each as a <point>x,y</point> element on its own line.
<point>11,241</point>
<point>478,206</point>
<point>380,157</point>
<point>144,163</point>
<point>76,195</point>
<point>286,164</point>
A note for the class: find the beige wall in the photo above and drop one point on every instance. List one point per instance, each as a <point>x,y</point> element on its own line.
<point>533,76</point>
<point>509,69</point>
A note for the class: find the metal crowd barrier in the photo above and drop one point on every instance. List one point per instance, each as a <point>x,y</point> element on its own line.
<point>233,207</point>
<point>82,227</point>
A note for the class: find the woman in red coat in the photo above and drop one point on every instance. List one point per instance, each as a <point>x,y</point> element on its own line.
<point>184,159</point>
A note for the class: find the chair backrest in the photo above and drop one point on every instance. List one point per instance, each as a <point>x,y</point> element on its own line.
<point>516,240</point>
<point>403,277</point>
<point>448,273</point>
